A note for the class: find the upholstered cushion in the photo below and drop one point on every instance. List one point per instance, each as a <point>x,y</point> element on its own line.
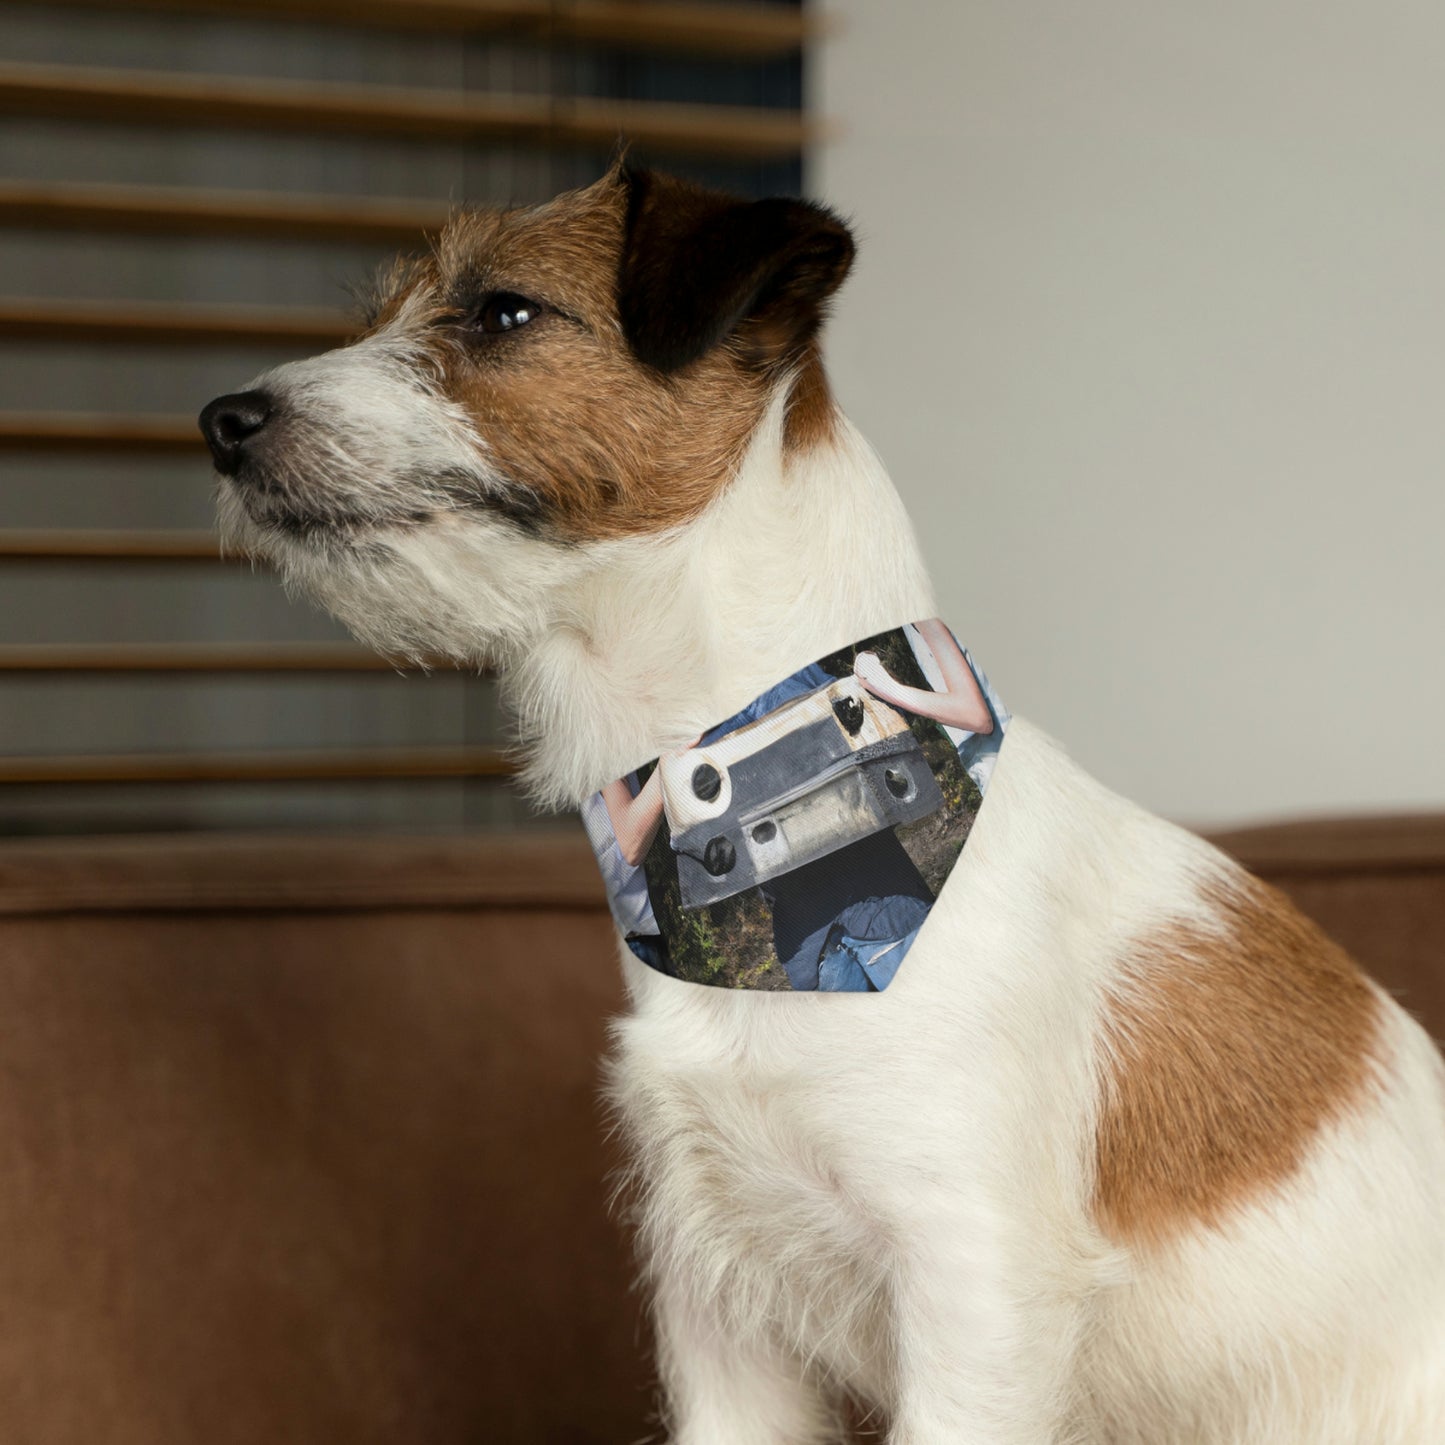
<point>300,1142</point>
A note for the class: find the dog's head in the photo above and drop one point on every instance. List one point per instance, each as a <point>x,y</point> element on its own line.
<point>545,382</point>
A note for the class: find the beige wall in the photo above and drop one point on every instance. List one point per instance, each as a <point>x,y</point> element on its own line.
<point>1149,324</point>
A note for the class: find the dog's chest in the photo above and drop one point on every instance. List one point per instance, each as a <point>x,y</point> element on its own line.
<point>750,1182</point>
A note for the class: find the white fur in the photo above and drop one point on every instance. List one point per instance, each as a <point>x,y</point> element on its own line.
<point>889,1195</point>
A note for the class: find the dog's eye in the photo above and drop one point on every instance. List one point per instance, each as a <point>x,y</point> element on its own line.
<point>505,311</point>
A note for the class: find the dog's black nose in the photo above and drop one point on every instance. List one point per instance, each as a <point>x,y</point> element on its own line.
<point>229,422</point>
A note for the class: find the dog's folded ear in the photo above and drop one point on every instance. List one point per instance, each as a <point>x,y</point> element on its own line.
<point>699,267</point>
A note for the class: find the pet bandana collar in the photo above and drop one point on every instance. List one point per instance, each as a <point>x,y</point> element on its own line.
<point>801,843</point>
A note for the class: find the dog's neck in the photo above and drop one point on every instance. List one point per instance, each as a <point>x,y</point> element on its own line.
<point>662,637</point>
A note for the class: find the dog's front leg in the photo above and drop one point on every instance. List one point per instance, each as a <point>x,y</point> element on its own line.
<point>985,1349</point>
<point>723,1388</point>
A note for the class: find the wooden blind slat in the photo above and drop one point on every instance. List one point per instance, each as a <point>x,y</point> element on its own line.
<point>180,657</point>
<point>704,29</point>
<point>109,546</point>
<point>95,431</point>
<point>176,211</point>
<point>189,101</point>
<point>170,323</point>
<point>215,101</point>
<point>348,765</point>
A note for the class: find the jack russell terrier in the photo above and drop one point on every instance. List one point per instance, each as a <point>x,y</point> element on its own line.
<point>1124,1151</point>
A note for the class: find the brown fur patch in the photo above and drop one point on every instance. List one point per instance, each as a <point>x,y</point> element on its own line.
<point>599,445</point>
<point>812,413</point>
<point>1228,1052</point>
<point>596,443</point>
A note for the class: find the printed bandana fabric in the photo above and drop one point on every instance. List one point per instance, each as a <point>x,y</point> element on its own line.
<point>801,843</point>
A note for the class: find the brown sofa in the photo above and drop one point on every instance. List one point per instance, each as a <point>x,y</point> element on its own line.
<point>299,1139</point>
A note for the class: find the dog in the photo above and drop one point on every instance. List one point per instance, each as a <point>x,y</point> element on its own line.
<point>1129,1153</point>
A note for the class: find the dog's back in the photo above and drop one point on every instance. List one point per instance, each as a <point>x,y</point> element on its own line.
<point>1125,1122</point>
